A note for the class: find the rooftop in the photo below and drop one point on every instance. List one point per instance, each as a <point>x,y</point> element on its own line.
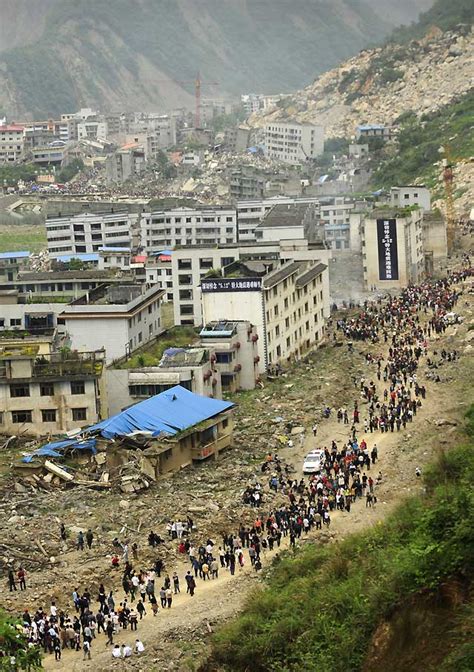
<point>182,357</point>
<point>168,413</point>
<point>309,274</point>
<point>281,214</point>
<point>66,275</point>
<point>220,329</point>
<point>280,274</point>
<point>15,255</point>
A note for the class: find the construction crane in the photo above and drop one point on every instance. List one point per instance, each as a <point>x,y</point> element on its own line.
<point>449,163</point>
<point>198,83</point>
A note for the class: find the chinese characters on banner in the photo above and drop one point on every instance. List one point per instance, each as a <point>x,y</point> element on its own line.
<point>231,284</point>
<point>387,249</point>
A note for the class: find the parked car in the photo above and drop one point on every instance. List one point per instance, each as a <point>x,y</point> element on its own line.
<point>313,462</point>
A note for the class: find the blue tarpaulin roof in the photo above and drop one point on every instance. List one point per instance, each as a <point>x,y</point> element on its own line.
<point>56,448</point>
<point>169,412</point>
<point>82,256</point>
<point>14,255</point>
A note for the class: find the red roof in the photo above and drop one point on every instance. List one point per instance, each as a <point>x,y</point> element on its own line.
<point>11,128</point>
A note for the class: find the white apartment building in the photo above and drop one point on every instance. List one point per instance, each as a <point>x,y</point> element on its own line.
<point>89,232</point>
<point>190,265</point>
<point>335,217</point>
<point>11,143</point>
<point>92,129</point>
<point>117,318</point>
<point>392,249</point>
<point>188,226</point>
<point>292,142</point>
<point>287,306</point>
<point>411,195</point>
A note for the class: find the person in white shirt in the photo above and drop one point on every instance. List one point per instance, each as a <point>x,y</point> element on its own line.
<point>139,648</point>
<point>116,653</point>
<point>53,609</point>
<point>127,651</point>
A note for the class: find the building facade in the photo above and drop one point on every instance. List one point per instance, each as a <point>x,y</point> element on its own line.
<point>292,142</point>
<point>392,248</point>
<point>190,265</point>
<point>188,226</point>
<point>49,394</point>
<point>119,318</point>
<point>412,195</point>
<point>88,232</point>
<point>11,143</point>
<point>287,306</point>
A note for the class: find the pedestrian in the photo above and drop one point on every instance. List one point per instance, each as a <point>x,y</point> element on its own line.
<point>116,652</point>
<point>139,648</point>
<point>176,583</point>
<point>22,578</point>
<point>169,597</point>
<point>80,541</point>
<point>11,579</point>
<point>89,538</point>
<point>86,647</point>
<point>141,609</point>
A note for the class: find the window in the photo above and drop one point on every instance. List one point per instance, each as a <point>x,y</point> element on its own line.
<point>278,351</point>
<point>277,330</point>
<point>186,310</point>
<point>19,417</point>
<point>15,322</point>
<point>185,279</point>
<point>224,357</point>
<point>79,414</point>
<point>19,390</point>
<point>186,294</point>
<point>48,415</point>
<point>78,387</point>
<point>47,389</point>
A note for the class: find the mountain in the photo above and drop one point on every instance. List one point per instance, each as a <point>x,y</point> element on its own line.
<point>58,55</point>
<point>381,84</point>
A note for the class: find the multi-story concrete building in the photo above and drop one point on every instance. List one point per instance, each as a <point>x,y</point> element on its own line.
<point>89,226</point>
<point>287,306</point>
<point>53,393</point>
<point>187,226</point>
<point>11,143</point>
<point>412,195</point>
<point>392,248</point>
<point>12,263</point>
<point>92,129</point>
<point>334,213</point>
<point>127,162</point>
<point>119,318</point>
<point>190,265</point>
<point>19,316</point>
<point>292,142</point>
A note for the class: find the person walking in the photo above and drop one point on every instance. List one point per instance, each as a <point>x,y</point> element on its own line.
<point>22,578</point>
<point>176,583</point>
<point>11,580</point>
<point>89,538</point>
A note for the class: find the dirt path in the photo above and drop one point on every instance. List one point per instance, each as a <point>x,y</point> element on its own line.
<point>175,638</point>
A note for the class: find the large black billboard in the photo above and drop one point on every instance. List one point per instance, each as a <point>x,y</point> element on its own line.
<point>387,247</point>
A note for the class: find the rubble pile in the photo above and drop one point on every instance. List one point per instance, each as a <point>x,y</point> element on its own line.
<point>427,75</point>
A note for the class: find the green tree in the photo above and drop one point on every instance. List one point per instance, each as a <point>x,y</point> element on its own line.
<point>14,650</point>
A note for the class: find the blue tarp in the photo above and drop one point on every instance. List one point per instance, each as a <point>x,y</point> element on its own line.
<point>56,448</point>
<point>169,412</point>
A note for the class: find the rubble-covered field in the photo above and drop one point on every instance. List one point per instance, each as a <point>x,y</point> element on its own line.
<point>265,420</point>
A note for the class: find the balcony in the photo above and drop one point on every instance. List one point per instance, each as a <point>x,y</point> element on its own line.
<point>67,365</point>
<point>212,448</point>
